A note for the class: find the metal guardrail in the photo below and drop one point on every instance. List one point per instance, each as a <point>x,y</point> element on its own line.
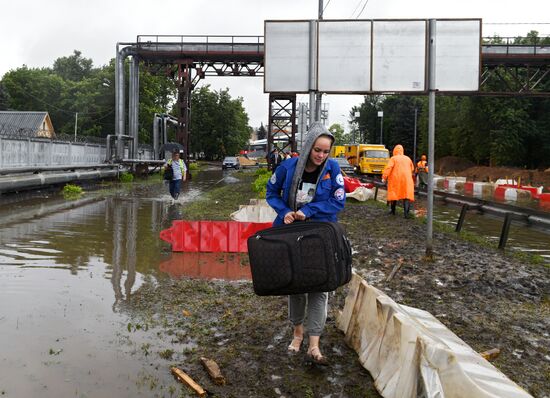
<point>201,43</point>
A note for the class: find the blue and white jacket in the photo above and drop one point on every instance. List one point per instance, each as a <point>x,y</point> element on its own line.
<point>329,198</point>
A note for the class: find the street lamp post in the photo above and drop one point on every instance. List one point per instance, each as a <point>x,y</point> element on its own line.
<point>414,146</point>
<point>381,116</point>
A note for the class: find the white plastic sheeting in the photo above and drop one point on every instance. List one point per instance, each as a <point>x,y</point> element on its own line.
<point>257,211</point>
<point>409,353</point>
<point>362,194</point>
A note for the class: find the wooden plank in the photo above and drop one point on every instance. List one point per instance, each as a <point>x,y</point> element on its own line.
<point>185,378</point>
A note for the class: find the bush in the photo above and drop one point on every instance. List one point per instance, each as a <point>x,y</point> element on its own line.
<point>126,177</point>
<point>72,192</point>
<point>193,166</point>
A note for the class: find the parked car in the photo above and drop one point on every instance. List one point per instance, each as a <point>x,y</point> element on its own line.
<point>230,162</point>
<point>345,166</point>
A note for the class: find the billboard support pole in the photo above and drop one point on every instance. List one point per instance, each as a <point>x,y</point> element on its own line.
<point>318,95</point>
<point>431,137</point>
<point>312,72</point>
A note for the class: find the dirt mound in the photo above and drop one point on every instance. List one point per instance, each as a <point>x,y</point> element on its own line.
<point>456,166</point>
<point>450,164</point>
<point>526,177</point>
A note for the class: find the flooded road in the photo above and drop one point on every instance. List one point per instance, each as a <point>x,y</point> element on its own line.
<point>64,269</point>
<point>73,275</point>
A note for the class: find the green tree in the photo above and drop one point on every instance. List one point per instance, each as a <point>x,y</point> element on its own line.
<point>74,67</point>
<point>261,132</point>
<point>366,127</point>
<point>340,138</point>
<point>219,125</point>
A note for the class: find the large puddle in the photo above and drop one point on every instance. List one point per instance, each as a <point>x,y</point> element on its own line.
<point>520,237</point>
<point>65,267</point>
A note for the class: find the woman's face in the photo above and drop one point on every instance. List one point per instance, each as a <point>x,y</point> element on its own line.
<point>320,150</point>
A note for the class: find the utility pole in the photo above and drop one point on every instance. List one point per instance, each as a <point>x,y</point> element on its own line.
<point>75,125</point>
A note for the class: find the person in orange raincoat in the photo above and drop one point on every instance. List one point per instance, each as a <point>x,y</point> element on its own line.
<point>399,175</point>
<point>422,172</point>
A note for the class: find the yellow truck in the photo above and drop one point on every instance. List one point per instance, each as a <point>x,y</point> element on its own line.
<point>367,158</point>
<point>337,151</point>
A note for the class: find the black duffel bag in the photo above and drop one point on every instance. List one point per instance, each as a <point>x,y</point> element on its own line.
<point>168,174</point>
<point>302,257</point>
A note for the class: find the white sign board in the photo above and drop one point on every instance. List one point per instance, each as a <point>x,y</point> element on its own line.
<point>344,56</point>
<point>399,56</point>
<point>457,55</point>
<point>286,59</point>
<point>364,56</point>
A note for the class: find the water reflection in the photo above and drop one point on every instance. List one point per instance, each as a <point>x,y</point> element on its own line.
<point>526,239</point>
<point>227,266</point>
<point>65,270</point>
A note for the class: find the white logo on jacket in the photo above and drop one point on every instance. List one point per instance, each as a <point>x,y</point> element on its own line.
<point>340,194</point>
<point>340,179</point>
<point>273,178</point>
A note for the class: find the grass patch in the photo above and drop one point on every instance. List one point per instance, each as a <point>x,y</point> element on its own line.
<point>72,192</point>
<point>126,177</point>
<point>220,202</point>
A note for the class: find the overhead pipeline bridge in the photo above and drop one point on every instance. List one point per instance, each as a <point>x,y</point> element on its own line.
<point>507,69</point>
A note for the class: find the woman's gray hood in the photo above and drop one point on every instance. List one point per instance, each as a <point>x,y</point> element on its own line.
<point>315,130</point>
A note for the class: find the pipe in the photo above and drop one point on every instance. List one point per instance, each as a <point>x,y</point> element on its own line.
<point>120,117</point>
<point>37,169</point>
<point>11,184</point>
<point>156,136</point>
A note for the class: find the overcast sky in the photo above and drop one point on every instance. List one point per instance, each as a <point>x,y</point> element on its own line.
<point>36,32</point>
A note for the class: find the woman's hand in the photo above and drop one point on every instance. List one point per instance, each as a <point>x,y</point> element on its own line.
<point>289,217</point>
<point>299,216</point>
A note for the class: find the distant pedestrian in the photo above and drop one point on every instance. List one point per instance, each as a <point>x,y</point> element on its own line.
<point>422,172</point>
<point>399,175</point>
<point>178,171</point>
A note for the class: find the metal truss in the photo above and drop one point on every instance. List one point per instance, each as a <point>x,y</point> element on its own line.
<point>281,134</point>
<point>515,80</point>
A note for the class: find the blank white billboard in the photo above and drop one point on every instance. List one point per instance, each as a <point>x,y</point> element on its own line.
<point>457,55</point>
<point>399,56</point>
<point>370,56</point>
<point>344,56</point>
<point>286,57</point>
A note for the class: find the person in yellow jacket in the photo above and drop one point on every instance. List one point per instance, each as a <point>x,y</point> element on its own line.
<point>178,173</point>
<point>422,172</point>
<point>399,175</point>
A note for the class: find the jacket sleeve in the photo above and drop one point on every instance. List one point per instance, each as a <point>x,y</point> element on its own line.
<point>274,190</point>
<point>337,198</point>
<point>388,169</point>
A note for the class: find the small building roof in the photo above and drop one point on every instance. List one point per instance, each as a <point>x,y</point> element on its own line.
<point>26,124</point>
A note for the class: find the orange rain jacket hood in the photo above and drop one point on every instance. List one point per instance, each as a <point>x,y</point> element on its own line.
<point>399,174</point>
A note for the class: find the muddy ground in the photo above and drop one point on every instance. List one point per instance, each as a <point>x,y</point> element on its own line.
<point>487,298</point>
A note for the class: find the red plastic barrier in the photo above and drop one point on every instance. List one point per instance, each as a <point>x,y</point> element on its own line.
<point>211,236</point>
<point>469,188</point>
<point>544,201</point>
<point>351,184</point>
<point>534,190</point>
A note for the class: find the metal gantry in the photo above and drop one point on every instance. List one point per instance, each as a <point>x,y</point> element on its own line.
<point>516,69</point>
<point>281,134</point>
